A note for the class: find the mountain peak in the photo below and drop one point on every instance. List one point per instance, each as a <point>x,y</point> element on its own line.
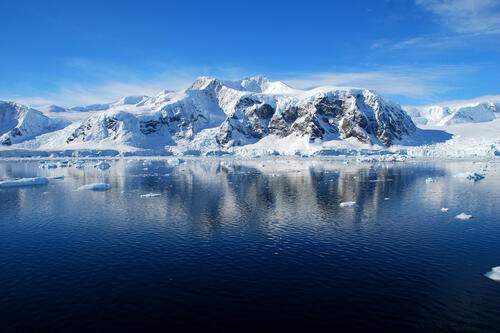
<point>202,82</point>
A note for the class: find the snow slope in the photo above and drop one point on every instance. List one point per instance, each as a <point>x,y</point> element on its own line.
<point>19,123</point>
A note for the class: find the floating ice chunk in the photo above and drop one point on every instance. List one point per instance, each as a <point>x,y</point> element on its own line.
<point>23,182</point>
<point>469,176</point>
<point>463,216</point>
<point>55,177</point>
<point>102,165</point>
<point>175,161</point>
<point>494,274</point>
<point>80,164</point>
<point>95,187</point>
<point>387,198</point>
<point>430,180</point>
<point>150,195</point>
<point>445,209</point>
<point>348,204</point>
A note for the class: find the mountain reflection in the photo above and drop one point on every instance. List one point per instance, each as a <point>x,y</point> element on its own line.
<point>217,194</point>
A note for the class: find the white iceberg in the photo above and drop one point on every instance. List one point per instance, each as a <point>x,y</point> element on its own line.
<point>463,216</point>
<point>430,180</point>
<point>95,187</point>
<point>494,274</point>
<point>23,182</point>
<point>348,204</point>
<point>470,176</point>
<point>445,209</point>
<point>150,195</point>
<point>175,161</point>
<point>102,165</point>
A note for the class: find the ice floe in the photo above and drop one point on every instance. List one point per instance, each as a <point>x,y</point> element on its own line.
<point>23,182</point>
<point>463,216</point>
<point>95,187</point>
<point>55,177</point>
<point>430,180</point>
<point>494,274</point>
<point>348,204</point>
<point>175,161</point>
<point>150,195</point>
<point>445,209</point>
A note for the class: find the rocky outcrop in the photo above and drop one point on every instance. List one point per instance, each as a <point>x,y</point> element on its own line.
<point>340,114</point>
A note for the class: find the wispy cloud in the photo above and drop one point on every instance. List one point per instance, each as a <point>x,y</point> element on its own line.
<point>425,83</point>
<point>105,82</point>
<point>406,81</point>
<point>76,94</point>
<point>465,16</point>
<point>462,22</point>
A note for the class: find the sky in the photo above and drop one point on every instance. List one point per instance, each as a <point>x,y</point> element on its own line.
<point>415,52</point>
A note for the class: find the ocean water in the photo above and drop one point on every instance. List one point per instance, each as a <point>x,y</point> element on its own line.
<point>257,245</point>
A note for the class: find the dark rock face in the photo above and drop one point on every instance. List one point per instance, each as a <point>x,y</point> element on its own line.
<point>80,132</point>
<point>250,120</point>
<point>111,124</point>
<point>364,116</point>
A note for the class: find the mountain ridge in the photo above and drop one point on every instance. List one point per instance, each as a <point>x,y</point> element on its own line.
<point>237,113</point>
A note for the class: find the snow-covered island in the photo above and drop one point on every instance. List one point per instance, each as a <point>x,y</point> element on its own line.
<point>253,117</point>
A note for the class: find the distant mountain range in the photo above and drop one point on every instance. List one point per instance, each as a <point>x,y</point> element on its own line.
<point>469,111</point>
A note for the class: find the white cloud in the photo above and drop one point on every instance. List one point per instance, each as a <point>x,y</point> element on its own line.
<point>463,21</point>
<point>465,16</point>
<point>69,95</point>
<point>107,83</point>
<point>396,80</point>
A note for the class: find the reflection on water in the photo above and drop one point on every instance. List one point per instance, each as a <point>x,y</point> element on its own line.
<point>250,245</point>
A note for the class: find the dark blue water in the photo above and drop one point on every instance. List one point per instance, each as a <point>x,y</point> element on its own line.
<point>250,246</point>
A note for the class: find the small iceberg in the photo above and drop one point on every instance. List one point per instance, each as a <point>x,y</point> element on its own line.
<point>102,165</point>
<point>95,187</point>
<point>150,195</point>
<point>430,180</point>
<point>445,209</point>
<point>494,274</point>
<point>463,216</point>
<point>24,182</point>
<point>55,177</point>
<point>79,164</point>
<point>470,176</point>
<point>348,204</point>
<point>174,161</point>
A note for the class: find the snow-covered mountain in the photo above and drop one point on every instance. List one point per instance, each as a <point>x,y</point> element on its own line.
<point>224,114</point>
<point>457,112</point>
<point>53,109</point>
<point>19,123</point>
<point>129,100</point>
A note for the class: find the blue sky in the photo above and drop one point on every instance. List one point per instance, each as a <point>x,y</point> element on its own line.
<point>413,51</point>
